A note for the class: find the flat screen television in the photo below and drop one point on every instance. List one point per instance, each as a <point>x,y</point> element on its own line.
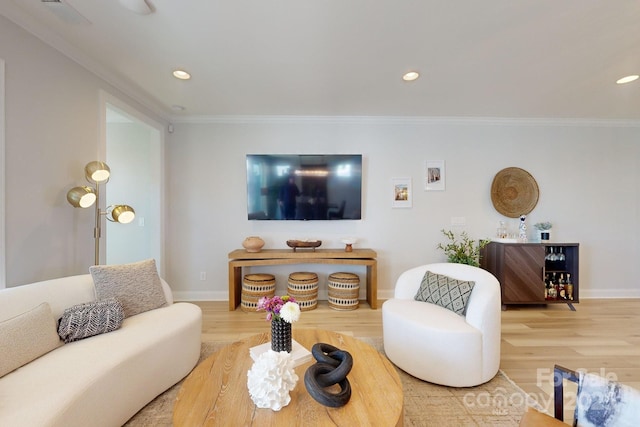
<point>304,186</point>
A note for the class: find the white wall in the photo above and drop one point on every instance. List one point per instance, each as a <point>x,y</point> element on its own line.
<point>133,155</point>
<point>587,173</point>
<point>52,112</point>
<point>2,181</point>
<point>588,177</point>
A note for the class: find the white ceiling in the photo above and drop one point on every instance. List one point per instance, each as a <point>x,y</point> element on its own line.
<point>493,58</point>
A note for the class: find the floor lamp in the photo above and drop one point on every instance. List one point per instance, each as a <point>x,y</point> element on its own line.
<point>84,196</point>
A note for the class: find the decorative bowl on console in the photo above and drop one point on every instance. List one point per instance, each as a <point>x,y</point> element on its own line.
<point>253,244</point>
<point>295,244</point>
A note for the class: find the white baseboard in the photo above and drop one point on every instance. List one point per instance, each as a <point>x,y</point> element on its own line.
<point>200,296</point>
<point>385,294</point>
<point>609,293</point>
<point>584,293</point>
<point>224,296</point>
<point>388,294</point>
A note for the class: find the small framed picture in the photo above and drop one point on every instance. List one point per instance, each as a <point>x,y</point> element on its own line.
<point>401,192</point>
<point>434,176</point>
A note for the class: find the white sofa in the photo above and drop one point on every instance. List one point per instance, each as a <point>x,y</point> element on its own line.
<point>102,380</point>
<point>434,343</point>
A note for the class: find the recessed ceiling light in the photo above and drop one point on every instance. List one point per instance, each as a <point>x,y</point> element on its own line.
<point>181,74</point>
<point>410,76</point>
<point>627,79</point>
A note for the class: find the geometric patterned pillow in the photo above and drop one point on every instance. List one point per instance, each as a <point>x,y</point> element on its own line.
<point>445,291</point>
<point>89,319</point>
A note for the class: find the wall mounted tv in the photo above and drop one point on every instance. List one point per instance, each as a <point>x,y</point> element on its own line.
<point>304,186</point>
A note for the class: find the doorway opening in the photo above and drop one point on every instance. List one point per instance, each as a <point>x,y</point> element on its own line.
<point>134,152</point>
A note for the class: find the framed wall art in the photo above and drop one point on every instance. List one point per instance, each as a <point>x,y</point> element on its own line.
<point>434,176</point>
<point>401,192</point>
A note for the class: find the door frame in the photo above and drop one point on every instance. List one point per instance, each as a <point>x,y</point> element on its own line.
<point>108,100</point>
<point>3,204</point>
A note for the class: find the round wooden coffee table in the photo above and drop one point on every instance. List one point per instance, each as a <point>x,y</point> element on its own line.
<point>215,392</point>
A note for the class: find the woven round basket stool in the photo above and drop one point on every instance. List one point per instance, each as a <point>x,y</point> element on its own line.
<point>303,286</point>
<point>343,291</point>
<point>254,287</point>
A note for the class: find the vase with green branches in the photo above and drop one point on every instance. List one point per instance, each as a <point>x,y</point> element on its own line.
<point>462,249</point>
<point>544,230</point>
<point>543,226</point>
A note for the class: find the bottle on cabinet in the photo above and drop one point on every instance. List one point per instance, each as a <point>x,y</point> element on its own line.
<point>569,287</point>
<point>561,289</point>
<point>546,286</point>
<point>551,289</point>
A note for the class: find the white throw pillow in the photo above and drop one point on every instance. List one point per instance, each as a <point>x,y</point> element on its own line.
<point>137,285</point>
<point>26,337</point>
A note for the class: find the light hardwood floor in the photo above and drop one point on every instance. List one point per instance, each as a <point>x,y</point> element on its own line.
<point>602,336</point>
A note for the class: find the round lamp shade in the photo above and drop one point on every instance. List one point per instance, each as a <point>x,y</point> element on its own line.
<point>123,214</point>
<point>97,171</point>
<point>81,197</point>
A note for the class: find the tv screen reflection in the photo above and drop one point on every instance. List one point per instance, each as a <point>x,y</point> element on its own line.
<point>304,186</point>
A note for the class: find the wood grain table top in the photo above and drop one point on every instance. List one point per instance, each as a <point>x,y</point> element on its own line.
<point>358,253</point>
<point>216,393</point>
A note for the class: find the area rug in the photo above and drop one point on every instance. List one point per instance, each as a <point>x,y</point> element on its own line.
<point>500,402</point>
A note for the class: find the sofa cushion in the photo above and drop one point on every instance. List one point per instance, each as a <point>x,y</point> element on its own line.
<point>89,319</point>
<point>137,285</point>
<point>445,291</point>
<point>26,337</point>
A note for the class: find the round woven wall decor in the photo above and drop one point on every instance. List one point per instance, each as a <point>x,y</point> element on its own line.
<point>514,192</point>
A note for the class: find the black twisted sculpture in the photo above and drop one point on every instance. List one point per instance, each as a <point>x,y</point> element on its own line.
<point>332,367</point>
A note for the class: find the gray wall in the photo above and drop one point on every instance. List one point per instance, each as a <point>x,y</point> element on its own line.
<point>2,180</point>
<point>587,173</point>
<point>53,128</point>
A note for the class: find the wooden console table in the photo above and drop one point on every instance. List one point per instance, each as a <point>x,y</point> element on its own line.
<point>241,258</point>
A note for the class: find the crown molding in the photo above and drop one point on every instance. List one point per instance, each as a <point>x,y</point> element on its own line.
<point>401,120</point>
<point>14,14</point>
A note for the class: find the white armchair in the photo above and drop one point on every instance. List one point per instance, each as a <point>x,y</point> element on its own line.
<point>437,345</point>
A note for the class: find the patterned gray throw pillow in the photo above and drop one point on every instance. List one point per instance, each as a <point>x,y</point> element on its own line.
<point>137,285</point>
<point>445,291</point>
<point>89,319</point>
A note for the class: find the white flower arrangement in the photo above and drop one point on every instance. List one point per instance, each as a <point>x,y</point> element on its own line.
<point>285,308</point>
<point>290,312</point>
